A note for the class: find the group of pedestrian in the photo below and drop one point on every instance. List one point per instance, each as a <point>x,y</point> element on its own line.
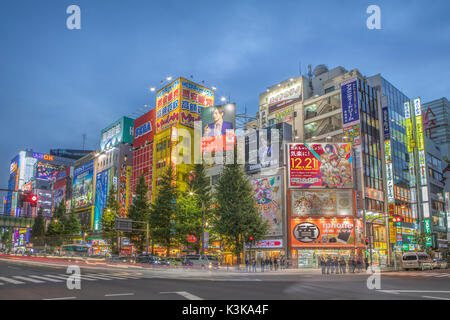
<point>338,265</point>
<point>266,264</point>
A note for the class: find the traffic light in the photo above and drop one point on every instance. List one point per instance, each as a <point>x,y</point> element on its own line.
<point>397,219</point>
<point>32,199</point>
<point>367,242</point>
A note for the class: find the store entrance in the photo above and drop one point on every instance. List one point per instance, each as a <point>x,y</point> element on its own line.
<point>309,259</point>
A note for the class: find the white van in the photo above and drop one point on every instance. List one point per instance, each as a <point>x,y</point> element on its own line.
<point>416,260</point>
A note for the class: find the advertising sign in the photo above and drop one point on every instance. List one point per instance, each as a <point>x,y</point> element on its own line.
<point>427,226</point>
<point>21,237</point>
<point>352,134</point>
<point>218,124</point>
<point>283,116</point>
<point>266,244</point>
<point>144,129</point>
<point>124,189</point>
<point>349,98</point>
<point>42,156</point>
<point>386,123</point>
<point>320,165</point>
<point>47,171</point>
<point>268,196</point>
<point>323,232</point>
<point>281,97</point>
<point>423,168</point>
<point>82,194</point>
<point>101,195</point>
<point>322,203</point>
<point>120,131</point>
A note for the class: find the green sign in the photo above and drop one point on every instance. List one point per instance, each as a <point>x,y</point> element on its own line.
<point>428,241</point>
<point>405,247</point>
<point>120,131</point>
<point>427,226</point>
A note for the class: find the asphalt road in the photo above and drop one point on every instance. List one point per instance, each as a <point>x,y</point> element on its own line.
<point>25,280</point>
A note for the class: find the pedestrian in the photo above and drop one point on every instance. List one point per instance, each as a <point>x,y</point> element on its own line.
<point>266,263</point>
<point>323,264</point>
<point>254,265</point>
<point>262,264</point>
<point>247,265</point>
<point>271,264</point>
<point>275,264</point>
<point>352,264</point>
<point>359,264</point>
<point>342,265</point>
<point>366,263</point>
<point>332,264</point>
<point>336,264</point>
<point>329,263</point>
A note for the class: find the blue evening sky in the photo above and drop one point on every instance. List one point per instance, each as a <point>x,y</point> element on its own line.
<point>56,84</point>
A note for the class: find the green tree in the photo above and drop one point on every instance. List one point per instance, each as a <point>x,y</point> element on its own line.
<point>236,214</point>
<point>38,230</point>
<point>163,210</point>
<point>108,221</point>
<point>188,221</point>
<point>72,225</point>
<point>139,211</point>
<point>6,239</point>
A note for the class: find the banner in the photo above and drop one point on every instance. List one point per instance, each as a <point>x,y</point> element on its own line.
<point>322,203</point>
<point>82,194</point>
<point>349,98</point>
<point>323,232</point>
<point>320,165</point>
<point>268,196</point>
<point>218,124</point>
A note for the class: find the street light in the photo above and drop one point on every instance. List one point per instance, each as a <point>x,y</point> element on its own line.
<point>203,222</point>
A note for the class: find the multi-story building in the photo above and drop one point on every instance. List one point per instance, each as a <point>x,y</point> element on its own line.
<point>144,131</point>
<point>69,153</point>
<point>178,105</point>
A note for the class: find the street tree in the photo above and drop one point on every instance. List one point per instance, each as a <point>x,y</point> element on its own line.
<point>163,211</point>
<point>108,220</point>
<point>236,214</point>
<point>38,229</point>
<point>188,222</point>
<point>139,211</point>
<point>6,239</point>
<point>72,225</point>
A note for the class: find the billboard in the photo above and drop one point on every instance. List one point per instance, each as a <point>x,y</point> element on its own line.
<point>181,102</point>
<point>124,189</point>
<point>101,195</point>
<point>268,196</point>
<point>83,185</point>
<point>349,99</point>
<point>280,98</point>
<point>47,171</point>
<point>120,131</point>
<point>144,129</point>
<point>339,232</point>
<point>320,165</point>
<point>218,124</point>
<point>322,203</point>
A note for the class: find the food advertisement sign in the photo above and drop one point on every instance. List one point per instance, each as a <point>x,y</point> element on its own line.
<point>322,203</point>
<point>320,165</point>
<point>324,232</point>
<point>82,194</point>
<point>218,124</point>
<point>268,196</point>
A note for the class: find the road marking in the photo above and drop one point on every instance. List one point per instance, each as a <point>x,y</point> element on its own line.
<point>87,277</point>
<point>45,278</point>
<point>11,280</point>
<point>28,279</point>
<point>185,294</point>
<point>411,291</point>
<point>442,275</point>
<point>119,294</point>
<point>63,298</point>
<point>57,277</point>
<point>437,298</point>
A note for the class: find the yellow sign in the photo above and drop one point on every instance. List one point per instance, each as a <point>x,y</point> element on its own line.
<point>419,133</point>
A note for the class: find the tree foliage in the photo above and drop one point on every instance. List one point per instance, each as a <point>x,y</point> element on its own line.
<point>188,221</point>
<point>108,220</point>
<point>139,211</point>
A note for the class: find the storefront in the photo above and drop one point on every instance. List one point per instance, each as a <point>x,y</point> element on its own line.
<point>320,237</point>
<point>265,249</point>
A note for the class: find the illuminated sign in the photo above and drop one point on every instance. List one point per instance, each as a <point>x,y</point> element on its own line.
<point>322,203</point>
<point>120,131</point>
<point>423,168</point>
<point>320,165</point>
<point>427,226</point>
<point>281,97</point>
<point>145,128</point>
<point>390,183</point>
<point>349,98</point>
<point>42,156</point>
<point>13,167</point>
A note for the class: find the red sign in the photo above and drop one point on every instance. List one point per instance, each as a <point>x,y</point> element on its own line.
<point>268,244</point>
<point>320,165</point>
<point>144,129</point>
<point>192,239</point>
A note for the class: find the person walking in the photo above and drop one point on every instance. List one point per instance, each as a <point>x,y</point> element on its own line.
<point>262,264</point>
<point>352,264</point>
<point>254,265</point>
<point>271,263</point>
<point>336,264</point>
<point>247,265</point>
<point>329,263</point>
<point>275,264</point>
<point>332,265</point>
<point>323,264</point>
<point>358,264</point>
<point>266,263</point>
<point>342,265</point>
<point>366,262</point>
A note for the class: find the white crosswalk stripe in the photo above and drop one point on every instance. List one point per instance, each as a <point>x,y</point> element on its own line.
<point>45,278</point>
<point>28,279</point>
<point>11,280</point>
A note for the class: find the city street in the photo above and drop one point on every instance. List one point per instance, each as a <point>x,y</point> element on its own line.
<point>29,280</point>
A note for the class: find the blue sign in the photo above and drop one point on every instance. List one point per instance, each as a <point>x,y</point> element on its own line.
<point>349,95</point>
<point>101,196</point>
<point>386,127</point>
<point>141,130</point>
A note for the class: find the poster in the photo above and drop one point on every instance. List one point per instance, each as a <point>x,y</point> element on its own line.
<point>101,195</point>
<point>218,124</point>
<point>323,232</point>
<point>320,165</point>
<point>82,194</point>
<point>322,203</point>
<point>268,196</point>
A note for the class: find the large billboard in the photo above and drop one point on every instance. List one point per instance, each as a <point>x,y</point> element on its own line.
<point>120,131</point>
<point>181,102</point>
<point>83,185</point>
<point>268,196</point>
<point>218,124</point>
<point>320,165</point>
<point>144,129</point>
<point>339,232</point>
<point>349,99</point>
<point>101,195</point>
<point>47,171</point>
<point>281,97</point>
<point>322,203</point>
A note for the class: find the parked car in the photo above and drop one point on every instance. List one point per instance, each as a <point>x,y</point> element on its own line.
<point>440,264</point>
<point>417,260</point>
<point>200,260</point>
<point>145,258</point>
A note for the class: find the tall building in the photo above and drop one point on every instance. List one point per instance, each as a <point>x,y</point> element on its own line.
<point>178,105</point>
<point>69,153</point>
<point>144,132</point>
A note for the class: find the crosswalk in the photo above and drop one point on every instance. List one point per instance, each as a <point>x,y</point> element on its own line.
<point>62,278</point>
<point>421,274</point>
